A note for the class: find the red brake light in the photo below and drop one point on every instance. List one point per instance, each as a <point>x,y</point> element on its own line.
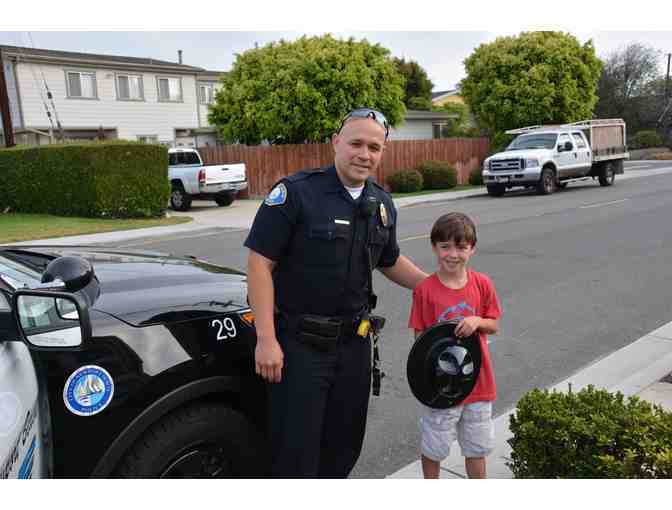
<point>201,176</point>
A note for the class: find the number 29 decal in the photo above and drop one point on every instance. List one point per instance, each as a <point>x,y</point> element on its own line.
<point>226,328</point>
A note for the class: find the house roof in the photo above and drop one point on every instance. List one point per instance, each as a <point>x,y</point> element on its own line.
<point>445,93</point>
<point>75,58</point>
<point>427,115</point>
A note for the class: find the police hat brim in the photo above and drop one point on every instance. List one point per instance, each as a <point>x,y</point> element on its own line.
<point>442,369</point>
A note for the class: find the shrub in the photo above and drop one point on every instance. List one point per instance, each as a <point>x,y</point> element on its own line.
<point>405,181</point>
<point>645,139</point>
<point>589,434</point>
<point>110,179</point>
<point>437,175</point>
<point>476,177</point>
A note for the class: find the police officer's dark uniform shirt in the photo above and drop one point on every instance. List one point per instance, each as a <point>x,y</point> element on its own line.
<point>311,226</point>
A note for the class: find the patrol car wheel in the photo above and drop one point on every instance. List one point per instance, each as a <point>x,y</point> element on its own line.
<point>179,200</point>
<point>203,440</point>
<point>224,199</point>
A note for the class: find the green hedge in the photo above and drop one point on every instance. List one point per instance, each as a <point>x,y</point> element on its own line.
<point>405,181</point>
<point>476,177</point>
<point>101,179</point>
<point>437,175</point>
<point>589,434</point>
<point>645,139</point>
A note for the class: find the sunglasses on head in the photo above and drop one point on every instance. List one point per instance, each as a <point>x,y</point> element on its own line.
<point>367,113</point>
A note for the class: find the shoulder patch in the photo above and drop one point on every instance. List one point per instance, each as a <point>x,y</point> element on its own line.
<point>277,196</point>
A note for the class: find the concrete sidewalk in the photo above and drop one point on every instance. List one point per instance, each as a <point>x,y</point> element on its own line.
<point>636,369</point>
<point>239,215</point>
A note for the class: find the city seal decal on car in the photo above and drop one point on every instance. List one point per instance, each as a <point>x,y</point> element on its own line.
<point>277,196</point>
<point>88,390</point>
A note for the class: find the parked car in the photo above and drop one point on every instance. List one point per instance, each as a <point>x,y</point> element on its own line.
<point>550,157</point>
<point>144,366</point>
<point>190,180</point>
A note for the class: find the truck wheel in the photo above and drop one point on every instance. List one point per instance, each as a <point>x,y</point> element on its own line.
<point>202,440</point>
<point>179,200</point>
<point>496,190</point>
<point>224,199</point>
<point>607,174</point>
<point>546,184</point>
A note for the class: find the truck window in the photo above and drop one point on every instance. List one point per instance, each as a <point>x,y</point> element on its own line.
<point>578,139</point>
<point>183,158</point>
<point>563,138</point>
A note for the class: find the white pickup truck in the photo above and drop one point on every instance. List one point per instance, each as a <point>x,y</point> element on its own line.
<point>550,157</point>
<point>190,179</point>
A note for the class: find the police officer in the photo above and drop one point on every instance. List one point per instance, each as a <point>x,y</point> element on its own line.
<point>313,245</point>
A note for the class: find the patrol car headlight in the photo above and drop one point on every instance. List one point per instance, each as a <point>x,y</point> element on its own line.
<point>531,163</point>
<point>247,317</point>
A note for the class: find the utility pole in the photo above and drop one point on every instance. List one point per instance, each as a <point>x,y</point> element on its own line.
<point>667,78</point>
<point>4,107</point>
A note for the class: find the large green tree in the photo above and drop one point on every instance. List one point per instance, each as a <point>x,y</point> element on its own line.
<point>298,92</point>
<point>533,78</point>
<point>418,94</point>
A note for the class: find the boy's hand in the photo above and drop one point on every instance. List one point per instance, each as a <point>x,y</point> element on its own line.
<point>467,326</point>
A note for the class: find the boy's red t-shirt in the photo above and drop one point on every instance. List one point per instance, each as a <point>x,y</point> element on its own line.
<point>433,302</point>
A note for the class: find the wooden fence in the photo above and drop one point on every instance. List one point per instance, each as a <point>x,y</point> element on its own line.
<point>266,164</point>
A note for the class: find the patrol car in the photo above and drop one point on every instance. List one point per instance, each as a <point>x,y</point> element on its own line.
<point>126,364</point>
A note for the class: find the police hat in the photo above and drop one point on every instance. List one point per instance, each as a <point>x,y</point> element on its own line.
<point>442,370</point>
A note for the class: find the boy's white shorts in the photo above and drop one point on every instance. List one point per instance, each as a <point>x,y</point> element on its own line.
<point>471,424</point>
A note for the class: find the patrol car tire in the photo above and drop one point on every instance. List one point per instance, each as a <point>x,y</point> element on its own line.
<point>204,440</point>
<point>179,200</point>
<point>224,199</point>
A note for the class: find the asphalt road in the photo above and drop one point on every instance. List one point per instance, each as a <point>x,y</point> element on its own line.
<point>580,274</point>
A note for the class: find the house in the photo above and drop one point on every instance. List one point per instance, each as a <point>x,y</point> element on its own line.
<point>423,125</point>
<point>97,96</point>
<point>447,96</point>
<point>104,96</point>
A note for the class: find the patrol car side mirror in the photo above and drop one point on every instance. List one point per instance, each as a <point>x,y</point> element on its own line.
<point>51,320</point>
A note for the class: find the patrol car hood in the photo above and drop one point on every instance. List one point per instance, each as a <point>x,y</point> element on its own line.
<point>143,288</point>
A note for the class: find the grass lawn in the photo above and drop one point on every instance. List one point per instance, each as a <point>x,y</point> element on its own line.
<point>28,227</point>
<point>431,191</point>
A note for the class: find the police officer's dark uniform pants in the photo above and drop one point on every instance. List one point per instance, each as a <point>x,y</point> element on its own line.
<point>318,411</point>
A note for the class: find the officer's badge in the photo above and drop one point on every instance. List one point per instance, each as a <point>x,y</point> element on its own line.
<point>383,215</point>
<point>277,196</point>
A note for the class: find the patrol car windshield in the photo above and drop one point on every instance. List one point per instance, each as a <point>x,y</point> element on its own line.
<point>540,141</point>
<point>17,275</point>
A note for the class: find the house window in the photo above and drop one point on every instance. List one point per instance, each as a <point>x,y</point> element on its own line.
<point>81,85</point>
<point>148,138</point>
<point>440,130</point>
<point>170,89</point>
<point>129,87</point>
<point>206,93</point>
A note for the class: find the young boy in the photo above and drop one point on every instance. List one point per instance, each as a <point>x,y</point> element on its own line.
<point>454,292</point>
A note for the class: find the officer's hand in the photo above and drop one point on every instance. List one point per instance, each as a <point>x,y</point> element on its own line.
<point>467,326</point>
<point>268,359</point>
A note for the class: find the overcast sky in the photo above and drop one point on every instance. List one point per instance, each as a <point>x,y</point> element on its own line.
<point>438,35</point>
<point>440,53</point>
